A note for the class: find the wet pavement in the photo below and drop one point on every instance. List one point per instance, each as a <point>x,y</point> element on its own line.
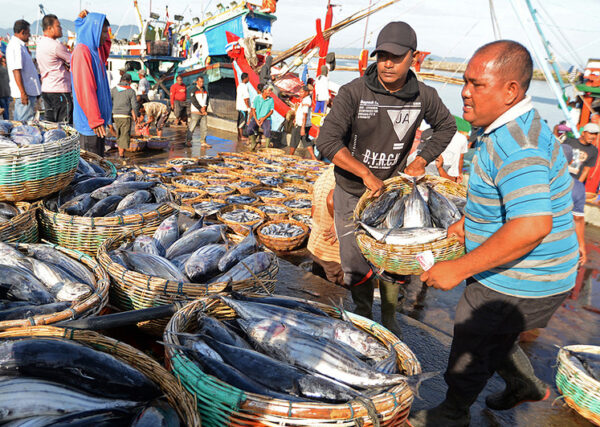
<point>426,315</point>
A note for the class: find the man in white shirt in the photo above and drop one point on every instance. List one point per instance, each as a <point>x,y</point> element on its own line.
<point>322,91</point>
<point>25,85</point>
<point>242,105</point>
<point>302,124</point>
<point>198,97</point>
<point>143,86</point>
<point>54,61</point>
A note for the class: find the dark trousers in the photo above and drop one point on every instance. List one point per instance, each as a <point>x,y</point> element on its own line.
<point>123,128</point>
<point>58,107</point>
<point>5,103</point>
<point>297,138</point>
<point>356,268</point>
<point>93,144</point>
<point>486,328</point>
<point>180,110</point>
<point>253,127</point>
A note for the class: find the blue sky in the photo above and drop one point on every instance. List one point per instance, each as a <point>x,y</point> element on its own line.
<point>447,28</point>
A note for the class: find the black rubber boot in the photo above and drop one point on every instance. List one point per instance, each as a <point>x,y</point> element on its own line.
<point>362,295</point>
<point>389,302</point>
<point>521,383</point>
<point>452,412</point>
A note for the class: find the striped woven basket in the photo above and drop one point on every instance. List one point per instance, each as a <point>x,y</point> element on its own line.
<point>131,290</point>
<point>283,244</point>
<point>580,390</point>
<point>177,182</point>
<point>34,171</point>
<point>245,189</point>
<point>90,306</point>
<point>297,188</point>
<point>269,199</point>
<point>198,195</point>
<point>175,394</point>
<point>87,234</point>
<point>221,404</point>
<point>23,227</point>
<point>274,216</point>
<point>402,259</point>
<point>271,152</point>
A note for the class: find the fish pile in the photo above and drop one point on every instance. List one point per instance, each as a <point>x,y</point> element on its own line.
<point>93,194</point>
<point>288,349</point>
<point>282,230</point>
<point>241,216</point>
<point>241,199</point>
<point>7,212</point>
<point>187,194</point>
<point>245,184</point>
<point>208,208</point>
<point>219,178</point>
<point>200,170</point>
<point>184,251</point>
<point>271,181</point>
<point>42,280</point>
<point>303,218</point>
<point>296,190</point>
<point>585,361</point>
<point>273,209</point>
<point>411,219</point>
<point>267,169</point>
<point>298,203</point>
<point>270,194</point>
<point>218,189</point>
<point>292,176</point>
<point>270,161</point>
<point>49,381</point>
<point>23,135</point>
<point>191,182</point>
<point>182,162</point>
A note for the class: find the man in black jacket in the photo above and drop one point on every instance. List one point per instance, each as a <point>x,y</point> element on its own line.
<point>368,135</point>
<point>199,100</point>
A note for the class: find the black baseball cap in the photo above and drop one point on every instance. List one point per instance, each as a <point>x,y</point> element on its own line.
<point>396,38</point>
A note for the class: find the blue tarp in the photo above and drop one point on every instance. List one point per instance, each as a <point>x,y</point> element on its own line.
<point>217,39</point>
<point>258,23</point>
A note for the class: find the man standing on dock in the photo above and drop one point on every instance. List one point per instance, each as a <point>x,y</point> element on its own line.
<point>178,97</point>
<point>242,104</point>
<point>368,135</point>
<point>24,81</point>
<point>199,116</point>
<point>584,152</point>
<point>260,116</point>
<point>522,250</point>
<point>54,61</point>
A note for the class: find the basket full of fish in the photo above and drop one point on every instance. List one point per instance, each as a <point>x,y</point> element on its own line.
<point>95,207</point>
<point>18,222</point>
<point>283,235</point>
<point>44,284</point>
<point>578,379</point>
<point>36,159</point>
<point>288,362</point>
<point>55,376</point>
<point>183,260</point>
<point>241,218</point>
<point>409,218</point>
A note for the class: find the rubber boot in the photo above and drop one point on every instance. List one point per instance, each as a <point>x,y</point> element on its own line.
<point>521,383</point>
<point>267,142</point>
<point>362,295</point>
<point>253,142</point>
<point>389,302</point>
<point>452,412</point>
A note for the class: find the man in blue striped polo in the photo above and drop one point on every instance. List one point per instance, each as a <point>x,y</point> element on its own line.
<point>518,230</point>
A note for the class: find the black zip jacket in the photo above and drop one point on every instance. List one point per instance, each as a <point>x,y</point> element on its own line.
<point>191,94</point>
<point>378,126</point>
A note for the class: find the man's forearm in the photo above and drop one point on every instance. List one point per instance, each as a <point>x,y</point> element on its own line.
<point>584,174</point>
<point>580,230</point>
<point>19,81</point>
<point>514,239</point>
<point>346,161</point>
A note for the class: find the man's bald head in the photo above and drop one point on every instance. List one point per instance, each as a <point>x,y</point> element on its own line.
<point>511,60</point>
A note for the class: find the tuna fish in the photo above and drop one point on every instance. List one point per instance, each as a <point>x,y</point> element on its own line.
<point>375,212</point>
<point>167,232</point>
<point>204,262</point>
<point>104,206</point>
<point>121,189</point>
<point>153,265</point>
<point>405,236</point>
<point>443,211</point>
<point>134,199</point>
<point>395,216</point>
<point>50,255</point>
<point>246,268</point>
<point>238,252</point>
<point>20,284</point>
<point>416,213</point>
<point>189,242</point>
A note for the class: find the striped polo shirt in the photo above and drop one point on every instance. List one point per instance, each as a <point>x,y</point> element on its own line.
<point>519,171</point>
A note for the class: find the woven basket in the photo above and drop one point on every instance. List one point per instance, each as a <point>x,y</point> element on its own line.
<point>283,244</point>
<point>303,218</point>
<point>23,227</point>
<point>178,163</point>
<point>580,390</point>
<point>131,290</point>
<point>87,234</point>
<point>271,152</point>
<point>245,190</point>
<point>274,200</point>
<point>220,196</point>
<point>241,228</point>
<point>402,259</point>
<point>175,394</point>
<point>178,184</point>
<point>34,171</point>
<point>224,167</point>
<point>109,168</point>
<point>209,199</point>
<point>292,188</point>
<point>90,306</point>
<point>275,216</point>
<point>193,171</point>
<point>268,170</point>
<point>299,196</point>
<point>155,143</point>
<point>190,200</point>
<point>221,404</point>
<point>220,179</point>
<point>136,145</point>
<point>154,168</point>
<point>226,155</point>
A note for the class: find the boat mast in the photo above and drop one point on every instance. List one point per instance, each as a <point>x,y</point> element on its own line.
<point>541,59</point>
<point>324,47</point>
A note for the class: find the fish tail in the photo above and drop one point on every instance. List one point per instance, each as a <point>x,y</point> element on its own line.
<point>414,381</point>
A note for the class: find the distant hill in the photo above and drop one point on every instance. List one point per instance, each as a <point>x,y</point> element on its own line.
<point>123,32</point>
